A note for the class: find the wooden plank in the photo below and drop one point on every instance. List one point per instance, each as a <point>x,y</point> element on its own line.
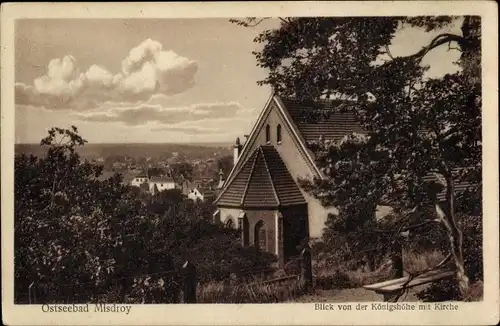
<point>419,281</point>
<point>376,286</point>
<point>397,284</point>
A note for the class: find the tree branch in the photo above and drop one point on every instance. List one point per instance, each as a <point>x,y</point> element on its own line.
<point>438,41</point>
<point>286,21</point>
<point>258,22</point>
<point>388,52</point>
<point>408,228</point>
<point>248,22</point>
<point>412,276</point>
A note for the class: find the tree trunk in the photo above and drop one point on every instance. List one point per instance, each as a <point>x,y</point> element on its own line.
<point>397,258</point>
<point>455,236</point>
<point>370,262</point>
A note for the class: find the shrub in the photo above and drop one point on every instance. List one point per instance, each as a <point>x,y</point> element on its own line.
<point>415,261</point>
<point>443,290</point>
<point>218,292</point>
<point>74,234</point>
<point>337,280</point>
<point>446,290</point>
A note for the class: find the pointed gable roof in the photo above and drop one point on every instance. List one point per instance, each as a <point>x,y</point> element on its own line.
<point>302,129</point>
<point>262,181</point>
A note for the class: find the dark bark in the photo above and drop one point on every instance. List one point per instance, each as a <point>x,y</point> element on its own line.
<point>455,235</point>
<point>397,259</point>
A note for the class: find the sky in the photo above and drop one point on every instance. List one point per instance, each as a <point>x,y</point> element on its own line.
<point>153,80</point>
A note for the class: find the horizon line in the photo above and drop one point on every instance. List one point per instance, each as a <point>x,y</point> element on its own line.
<point>121,143</point>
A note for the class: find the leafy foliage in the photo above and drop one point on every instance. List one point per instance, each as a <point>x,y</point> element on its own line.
<point>79,239</point>
<point>412,125</point>
<point>224,164</point>
<point>473,257</point>
<point>182,170</point>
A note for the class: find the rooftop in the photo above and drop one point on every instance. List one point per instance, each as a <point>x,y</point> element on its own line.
<point>315,119</point>
<point>262,181</point>
<point>159,179</point>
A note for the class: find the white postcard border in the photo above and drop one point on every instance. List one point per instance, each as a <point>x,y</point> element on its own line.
<point>485,312</point>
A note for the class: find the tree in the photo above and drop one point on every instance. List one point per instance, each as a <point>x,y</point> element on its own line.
<point>413,125</point>
<point>64,218</point>
<point>79,239</point>
<point>165,200</point>
<point>183,169</point>
<point>225,164</point>
<point>156,172</point>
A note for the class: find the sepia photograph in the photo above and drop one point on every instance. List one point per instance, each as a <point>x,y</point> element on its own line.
<point>295,159</point>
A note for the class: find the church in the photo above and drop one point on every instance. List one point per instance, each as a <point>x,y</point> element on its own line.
<point>261,196</point>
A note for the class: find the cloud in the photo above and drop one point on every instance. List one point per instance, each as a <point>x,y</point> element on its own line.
<point>144,113</point>
<point>63,79</point>
<point>99,77</point>
<point>147,70</point>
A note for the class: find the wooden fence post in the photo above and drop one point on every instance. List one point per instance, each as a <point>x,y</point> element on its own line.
<point>29,292</point>
<point>189,272</point>
<point>397,258</point>
<point>306,268</point>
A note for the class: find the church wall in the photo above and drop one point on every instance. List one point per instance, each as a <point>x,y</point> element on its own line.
<point>296,165</point>
<point>268,217</point>
<point>232,213</point>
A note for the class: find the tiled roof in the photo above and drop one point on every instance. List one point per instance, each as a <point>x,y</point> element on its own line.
<point>262,181</point>
<point>105,175</point>
<point>142,174</point>
<point>206,191</point>
<point>315,119</point>
<point>128,177</point>
<point>158,179</point>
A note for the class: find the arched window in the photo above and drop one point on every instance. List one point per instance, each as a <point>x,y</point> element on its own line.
<point>268,134</point>
<point>229,223</point>
<point>260,236</point>
<point>278,134</point>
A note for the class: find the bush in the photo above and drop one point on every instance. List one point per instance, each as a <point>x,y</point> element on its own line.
<point>443,290</point>
<point>337,280</point>
<point>416,261</point>
<point>218,292</point>
<point>447,290</point>
<point>75,235</point>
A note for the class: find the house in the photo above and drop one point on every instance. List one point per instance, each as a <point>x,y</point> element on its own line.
<point>220,182</point>
<point>160,183</point>
<point>261,195</point>
<point>201,193</point>
<point>185,186</point>
<point>139,179</point>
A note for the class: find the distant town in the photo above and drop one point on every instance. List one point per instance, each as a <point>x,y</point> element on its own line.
<point>198,170</point>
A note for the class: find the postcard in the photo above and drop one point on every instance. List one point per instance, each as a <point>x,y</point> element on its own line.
<point>250,163</point>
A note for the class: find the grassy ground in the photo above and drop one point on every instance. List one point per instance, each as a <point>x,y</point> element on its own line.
<point>339,284</point>
<point>347,284</point>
